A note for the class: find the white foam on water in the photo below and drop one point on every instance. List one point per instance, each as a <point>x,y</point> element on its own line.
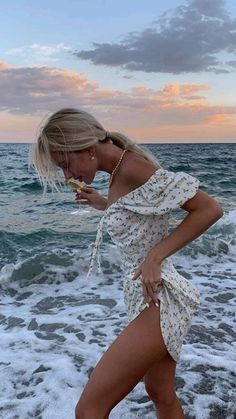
<point>78,212</point>
<point>53,334</point>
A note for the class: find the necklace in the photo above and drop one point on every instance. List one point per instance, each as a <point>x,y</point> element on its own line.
<point>111,178</point>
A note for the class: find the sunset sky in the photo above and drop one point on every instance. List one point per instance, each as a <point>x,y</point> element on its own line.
<point>159,71</point>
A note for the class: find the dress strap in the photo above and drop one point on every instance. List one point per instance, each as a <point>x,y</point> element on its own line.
<point>96,249</point>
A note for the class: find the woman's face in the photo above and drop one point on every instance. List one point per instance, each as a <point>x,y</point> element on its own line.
<point>76,164</point>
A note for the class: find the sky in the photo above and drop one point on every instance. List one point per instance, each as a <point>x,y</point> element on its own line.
<point>160,72</point>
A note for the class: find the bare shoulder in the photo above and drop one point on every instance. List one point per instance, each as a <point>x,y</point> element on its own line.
<point>137,170</point>
<point>134,171</point>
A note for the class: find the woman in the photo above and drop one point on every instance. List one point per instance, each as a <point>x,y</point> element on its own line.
<point>159,301</point>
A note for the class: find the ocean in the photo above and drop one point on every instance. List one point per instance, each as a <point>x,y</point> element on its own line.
<point>54,326</point>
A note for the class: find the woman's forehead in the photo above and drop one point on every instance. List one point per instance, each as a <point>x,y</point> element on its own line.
<point>60,156</point>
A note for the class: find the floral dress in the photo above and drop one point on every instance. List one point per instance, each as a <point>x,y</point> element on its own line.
<point>136,222</point>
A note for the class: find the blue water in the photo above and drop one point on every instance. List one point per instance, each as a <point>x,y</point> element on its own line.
<point>54,327</point>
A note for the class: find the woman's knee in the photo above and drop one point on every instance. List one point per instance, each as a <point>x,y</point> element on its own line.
<point>161,396</point>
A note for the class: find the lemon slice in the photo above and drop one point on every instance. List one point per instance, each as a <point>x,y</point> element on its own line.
<point>75,184</point>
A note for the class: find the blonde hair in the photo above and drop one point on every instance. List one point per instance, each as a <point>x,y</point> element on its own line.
<point>69,130</point>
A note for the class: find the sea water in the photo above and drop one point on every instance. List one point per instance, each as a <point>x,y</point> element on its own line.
<point>55,326</point>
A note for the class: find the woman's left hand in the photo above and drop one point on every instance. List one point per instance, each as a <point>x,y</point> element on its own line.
<point>151,279</point>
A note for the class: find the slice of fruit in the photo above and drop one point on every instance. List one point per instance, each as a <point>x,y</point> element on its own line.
<point>75,184</point>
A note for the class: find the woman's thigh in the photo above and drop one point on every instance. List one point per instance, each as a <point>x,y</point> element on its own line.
<point>126,361</point>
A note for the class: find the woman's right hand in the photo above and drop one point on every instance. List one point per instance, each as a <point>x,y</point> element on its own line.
<point>89,196</point>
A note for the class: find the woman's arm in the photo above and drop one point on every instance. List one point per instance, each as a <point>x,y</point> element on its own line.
<point>204,211</point>
<point>103,204</point>
<point>89,196</point>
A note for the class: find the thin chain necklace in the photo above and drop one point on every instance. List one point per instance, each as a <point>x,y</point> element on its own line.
<point>111,178</point>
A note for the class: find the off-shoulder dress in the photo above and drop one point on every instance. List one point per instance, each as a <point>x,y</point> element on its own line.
<point>136,222</point>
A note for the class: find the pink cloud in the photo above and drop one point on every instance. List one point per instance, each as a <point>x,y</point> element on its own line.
<point>4,65</point>
<point>176,89</point>
<point>36,91</point>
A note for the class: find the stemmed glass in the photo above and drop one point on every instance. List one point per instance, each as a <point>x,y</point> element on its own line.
<point>75,184</point>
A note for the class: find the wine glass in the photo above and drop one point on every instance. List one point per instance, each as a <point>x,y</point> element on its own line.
<point>75,184</point>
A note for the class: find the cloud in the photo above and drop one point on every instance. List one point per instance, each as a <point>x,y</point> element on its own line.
<point>232,63</point>
<point>39,53</point>
<point>186,39</point>
<point>15,51</point>
<point>210,8</point>
<point>128,76</point>
<point>4,65</point>
<point>219,118</point>
<point>184,90</point>
<point>34,91</point>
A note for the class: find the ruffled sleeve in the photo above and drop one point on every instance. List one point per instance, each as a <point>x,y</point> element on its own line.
<point>161,193</point>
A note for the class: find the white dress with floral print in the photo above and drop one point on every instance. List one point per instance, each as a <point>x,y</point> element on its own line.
<point>136,222</point>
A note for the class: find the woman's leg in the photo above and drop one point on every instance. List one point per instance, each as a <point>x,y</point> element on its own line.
<point>123,365</point>
<point>160,385</point>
